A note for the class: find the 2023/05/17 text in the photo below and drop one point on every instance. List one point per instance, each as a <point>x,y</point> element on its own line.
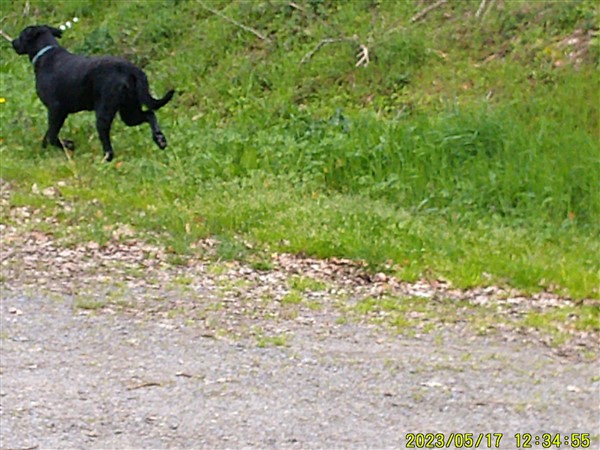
<point>494,440</point>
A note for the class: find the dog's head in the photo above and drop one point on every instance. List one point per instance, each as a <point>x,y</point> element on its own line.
<point>34,38</point>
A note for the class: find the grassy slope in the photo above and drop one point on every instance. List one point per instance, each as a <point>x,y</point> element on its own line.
<point>466,149</point>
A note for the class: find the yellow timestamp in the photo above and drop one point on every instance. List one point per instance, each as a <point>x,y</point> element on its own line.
<point>494,440</point>
<point>552,440</point>
<point>457,440</point>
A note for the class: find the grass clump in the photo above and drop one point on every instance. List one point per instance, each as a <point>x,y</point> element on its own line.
<point>556,320</point>
<point>89,304</point>
<point>277,340</point>
<point>292,298</point>
<point>304,284</point>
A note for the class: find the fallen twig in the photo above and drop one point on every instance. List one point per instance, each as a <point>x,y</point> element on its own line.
<point>143,385</point>
<point>363,55</point>
<point>183,374</point>
<point>484,7</point>
<point>421,14</point>
<point>5,36</point>
<point>321,44</point>
<point>363,52</point>
<point>481,8</point>
<point>234,22</point>
<point>33,447</point>
<point>296,6</point>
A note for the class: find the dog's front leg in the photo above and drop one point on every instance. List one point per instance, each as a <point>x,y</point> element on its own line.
<point>56,119</point>
<point>104,118</point>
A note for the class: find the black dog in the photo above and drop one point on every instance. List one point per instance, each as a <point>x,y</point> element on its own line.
<point>68,83</point>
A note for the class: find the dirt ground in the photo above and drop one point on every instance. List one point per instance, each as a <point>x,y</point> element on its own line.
<point>114,347</point>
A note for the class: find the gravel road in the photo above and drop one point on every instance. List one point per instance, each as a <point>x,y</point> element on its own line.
<point>78,380</point>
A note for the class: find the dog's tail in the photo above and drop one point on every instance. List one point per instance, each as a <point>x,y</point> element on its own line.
<point>143,93</point>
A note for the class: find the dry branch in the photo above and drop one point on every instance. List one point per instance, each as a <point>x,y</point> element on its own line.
<point>321,44</point>
<point>296,6</point>
<point>5,36</point>
<point>421,14</point>
<point>363,52</point>
<point>143,385</point>
<point>481,8</point>
<point>363,56</point>
<point>484,7</point>
<point>234,22</point>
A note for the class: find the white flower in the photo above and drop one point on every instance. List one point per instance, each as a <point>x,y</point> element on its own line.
<point>68,24</point>
<point>62,27</point>
<point>75,19</point>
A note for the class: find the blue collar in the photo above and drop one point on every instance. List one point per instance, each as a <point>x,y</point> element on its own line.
<point>39,54</point>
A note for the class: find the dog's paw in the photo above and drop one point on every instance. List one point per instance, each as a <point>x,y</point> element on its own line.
<point>108,157</point>
<point>160,139</point>
<point>68,144</point>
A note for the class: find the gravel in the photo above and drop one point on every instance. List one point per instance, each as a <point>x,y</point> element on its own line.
<point>74,379</point>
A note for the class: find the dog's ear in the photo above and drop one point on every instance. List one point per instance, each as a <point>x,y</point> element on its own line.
<point>30,33</point>
<point>55,31</point>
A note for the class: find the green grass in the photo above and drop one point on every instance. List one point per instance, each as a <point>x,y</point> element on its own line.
<point>404,313</point>
<point>292,298</point>
<point>303,284</point>
<point>89,304</point>
<point>584,318</point>
<point>277,340</point>
<point>466,150</point>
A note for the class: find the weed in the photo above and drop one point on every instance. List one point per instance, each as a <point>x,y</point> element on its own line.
<point>231,249</point>
<point>272,341</point>
<point>314,305</point>
<point>304,284</point>
<point>556,320</point>
<point>89,303</point>
<point>261,264</point>
<point>183,280</point>
<point>216,268</point>
<point>341,320</point>
<point>292,298</point>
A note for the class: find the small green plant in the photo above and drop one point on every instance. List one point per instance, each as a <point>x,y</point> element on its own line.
<point>183,280</point>
<point>304,284</point>
<point>261,264</point>
<point>262,340</point>
<point>272,341</point>
<point>231,249</point>
<point>292,298</point>
<point>557,320</point>
<point>89,303</point>
<point>314,305</point>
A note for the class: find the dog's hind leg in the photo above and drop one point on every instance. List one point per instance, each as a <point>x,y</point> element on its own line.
<point>135,116</point>
<point>157,135</point>
<point>56,119</point>
<point>104,119</point>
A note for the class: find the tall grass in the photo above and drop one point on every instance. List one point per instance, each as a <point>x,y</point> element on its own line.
<point>513,160</point>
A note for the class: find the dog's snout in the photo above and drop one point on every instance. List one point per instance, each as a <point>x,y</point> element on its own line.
<point>17,46</point>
